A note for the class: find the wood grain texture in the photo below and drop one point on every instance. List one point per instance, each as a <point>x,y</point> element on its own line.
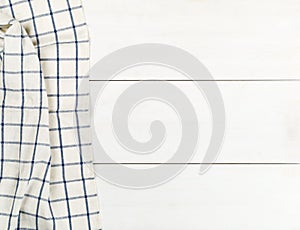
<point>227,198</point>
<point>251,48</point>
<point>249,39</point>
<point>262,122</point>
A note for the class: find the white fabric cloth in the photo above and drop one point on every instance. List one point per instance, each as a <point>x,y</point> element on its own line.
<point>46,176</point>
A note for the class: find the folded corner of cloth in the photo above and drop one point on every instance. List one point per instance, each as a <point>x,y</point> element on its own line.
<point>46,172</point>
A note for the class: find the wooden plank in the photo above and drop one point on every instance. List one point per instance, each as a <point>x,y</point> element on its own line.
<point>249,39</point>
<point>262,122</point>
<point>226,197</point>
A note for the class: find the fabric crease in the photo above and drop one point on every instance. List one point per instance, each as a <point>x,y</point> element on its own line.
<point>46,176</point>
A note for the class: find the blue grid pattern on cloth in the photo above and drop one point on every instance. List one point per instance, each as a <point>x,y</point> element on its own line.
<point>46,176</point>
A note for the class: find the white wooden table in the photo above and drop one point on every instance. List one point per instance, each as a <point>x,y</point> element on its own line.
<point>252,49</point>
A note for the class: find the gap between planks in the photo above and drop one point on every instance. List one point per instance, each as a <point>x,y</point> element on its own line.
<point>144,163</point>
<point>189,80</point>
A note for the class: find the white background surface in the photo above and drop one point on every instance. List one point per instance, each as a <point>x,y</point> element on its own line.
<point>252,49</point>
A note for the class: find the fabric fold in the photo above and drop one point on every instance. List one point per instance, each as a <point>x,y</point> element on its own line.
<point>25,148</point>
<point>46,171</point>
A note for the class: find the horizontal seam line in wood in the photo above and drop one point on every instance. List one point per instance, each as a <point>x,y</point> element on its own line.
<point>97,163</point>
<point>189,80</point>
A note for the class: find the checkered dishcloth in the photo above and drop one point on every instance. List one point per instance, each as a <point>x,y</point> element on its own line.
<point>46,178</point>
